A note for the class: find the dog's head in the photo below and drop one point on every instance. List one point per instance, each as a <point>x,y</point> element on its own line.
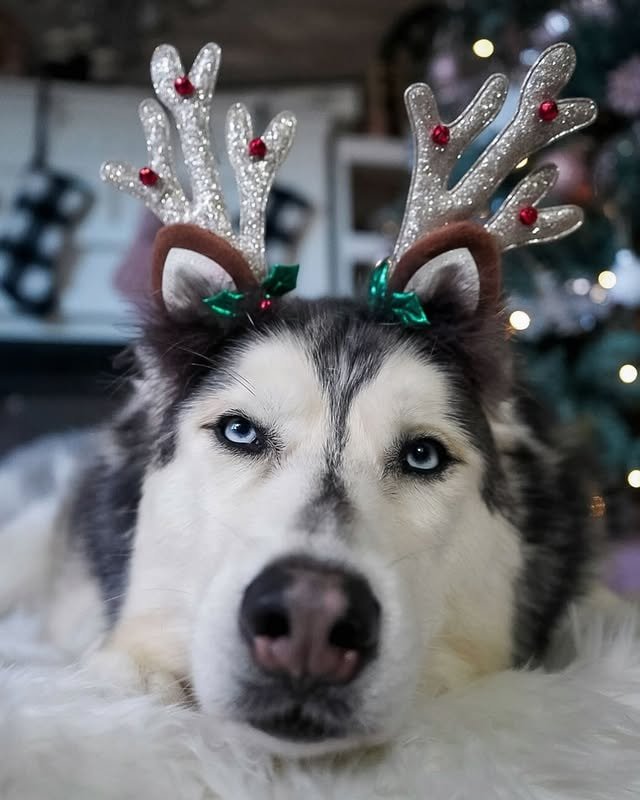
<point>334,512</point>
<point>319,533</point>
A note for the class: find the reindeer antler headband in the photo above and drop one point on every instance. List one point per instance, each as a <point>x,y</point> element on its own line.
<point>436,218</point>
<point>437,231</point>
<point>199,237</point>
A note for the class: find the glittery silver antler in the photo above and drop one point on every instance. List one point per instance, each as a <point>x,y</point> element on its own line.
<point>538,121</point>
<point>255,161</point>
<point>254,176</point>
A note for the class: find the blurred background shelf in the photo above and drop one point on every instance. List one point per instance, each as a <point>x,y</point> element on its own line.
<point>371,175</point>
<point>77,331</point>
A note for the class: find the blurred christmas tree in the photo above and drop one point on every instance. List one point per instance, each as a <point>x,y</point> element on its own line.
<point>574,304</point>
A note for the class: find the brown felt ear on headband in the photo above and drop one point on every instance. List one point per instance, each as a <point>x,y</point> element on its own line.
<point>481,244</point>
<point>191,237</point>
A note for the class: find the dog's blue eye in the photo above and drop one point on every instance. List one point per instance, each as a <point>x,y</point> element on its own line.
<point>239,430</point>
<point>424,455</point>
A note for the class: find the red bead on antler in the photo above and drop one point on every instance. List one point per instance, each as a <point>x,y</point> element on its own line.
<point>148,177</point>
<point>183,86</point>
<point>440,135</point>
<point>548,110</point>
<point>257,149</point>
<point>528,215</point>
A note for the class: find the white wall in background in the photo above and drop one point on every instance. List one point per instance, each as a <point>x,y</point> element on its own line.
<point>92,124</point>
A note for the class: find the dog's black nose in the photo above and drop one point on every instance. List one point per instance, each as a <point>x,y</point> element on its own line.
<point>310,620</point>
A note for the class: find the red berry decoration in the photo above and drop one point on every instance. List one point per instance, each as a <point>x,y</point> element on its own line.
<point>528,215</point>
<point>440,135</point>
<point>183,86</point>
<point>257,149</point>
<point>265,304</point>
<point>148,177</point>
<point>548,110</point>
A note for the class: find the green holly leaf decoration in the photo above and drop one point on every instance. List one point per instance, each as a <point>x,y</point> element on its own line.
<point>378,286</point>
<point>280,280</point>
<point>226,304</point>
<point>407,308</point>
<point>404,306</point>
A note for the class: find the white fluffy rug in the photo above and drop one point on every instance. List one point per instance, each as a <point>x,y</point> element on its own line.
<point>574,733</point>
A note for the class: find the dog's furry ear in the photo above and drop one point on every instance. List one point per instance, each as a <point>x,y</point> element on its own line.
<point>187,274</point>
<point>190,264</point>
<point>454,272</point>
<point>182,335</point>
<point>458,264</point>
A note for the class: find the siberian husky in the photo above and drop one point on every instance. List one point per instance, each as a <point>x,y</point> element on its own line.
<point>310,513</point>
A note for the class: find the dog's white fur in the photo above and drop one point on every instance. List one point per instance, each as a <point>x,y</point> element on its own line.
<point>442,567</point>
<point>571,735</point>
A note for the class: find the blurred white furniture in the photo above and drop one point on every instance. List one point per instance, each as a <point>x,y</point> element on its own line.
<point>369,171</point>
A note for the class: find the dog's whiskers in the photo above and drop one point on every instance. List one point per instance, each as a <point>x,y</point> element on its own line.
<point>244,382</point>
<point>412,554</point>
<point>208,361</point>
<point>112,598</point>
<point>173,589</point>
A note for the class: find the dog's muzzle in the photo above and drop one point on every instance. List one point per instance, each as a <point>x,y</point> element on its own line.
<point>311,628</point>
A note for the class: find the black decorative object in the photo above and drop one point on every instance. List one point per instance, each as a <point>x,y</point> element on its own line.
<point>44,211</point>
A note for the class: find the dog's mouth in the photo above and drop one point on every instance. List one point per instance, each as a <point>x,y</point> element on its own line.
<point>315,715</point>
<point>297,725</point>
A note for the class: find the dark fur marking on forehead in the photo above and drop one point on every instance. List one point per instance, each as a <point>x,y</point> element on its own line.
<point>345,359</point>
<point>346,356</point>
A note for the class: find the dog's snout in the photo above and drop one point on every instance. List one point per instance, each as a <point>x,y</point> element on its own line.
<point>310,620</point>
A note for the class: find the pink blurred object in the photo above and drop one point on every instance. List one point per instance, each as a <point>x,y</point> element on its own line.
<point>623,569</point>
<point>133,276</point>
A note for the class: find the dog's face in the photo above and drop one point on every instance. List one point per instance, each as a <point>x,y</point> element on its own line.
<point>323,544</point>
